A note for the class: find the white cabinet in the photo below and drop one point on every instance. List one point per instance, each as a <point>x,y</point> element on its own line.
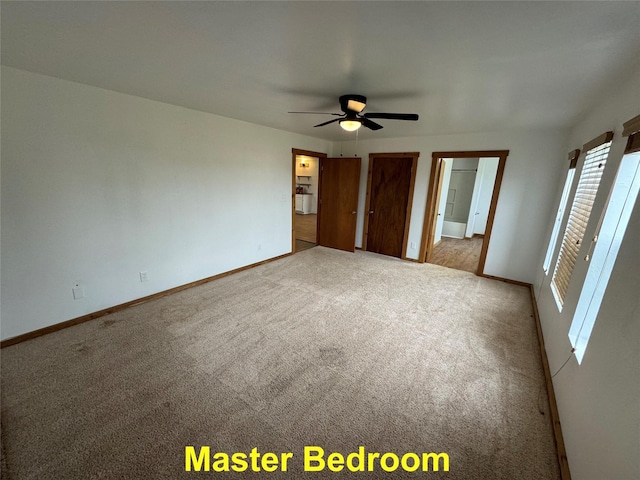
<point>303,203</point>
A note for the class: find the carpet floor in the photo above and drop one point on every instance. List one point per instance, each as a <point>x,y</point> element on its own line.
<point>322,348</point>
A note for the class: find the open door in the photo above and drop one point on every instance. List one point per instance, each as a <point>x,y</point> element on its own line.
<point>338,202</point>
<point>438,215</point>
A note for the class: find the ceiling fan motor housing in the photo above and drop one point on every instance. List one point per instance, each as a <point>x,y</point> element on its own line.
<point>353,103</point>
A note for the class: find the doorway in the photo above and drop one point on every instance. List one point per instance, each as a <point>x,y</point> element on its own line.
<point>306,201</point>
<point>461,202</point>
<point>305,198</point>
<point>390,184</point>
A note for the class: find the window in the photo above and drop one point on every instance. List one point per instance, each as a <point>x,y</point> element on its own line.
<point>594,163</point>
<point>573,159</point>
<point>614,224</point>
<point>607,240</point>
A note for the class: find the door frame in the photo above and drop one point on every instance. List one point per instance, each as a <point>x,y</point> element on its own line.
<point>294,153</point>
<point>431,210</point>
<point>407,221</point>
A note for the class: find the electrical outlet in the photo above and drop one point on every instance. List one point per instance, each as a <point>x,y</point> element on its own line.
<point>414,245</point>
<point>78,292</point>
<point>144,276</point>
<point>259,247</point>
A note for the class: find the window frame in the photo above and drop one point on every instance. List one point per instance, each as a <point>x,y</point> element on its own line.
<point>580,214</point>
<point>623,195</point>
<point>607,240</point>
<point>564,199</point>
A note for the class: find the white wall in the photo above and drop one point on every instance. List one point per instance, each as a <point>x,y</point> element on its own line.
<point>599,400</point>
<point>526,197</point>
<point>98,186</point>
<point>465,163</point>
<point>453,229</point>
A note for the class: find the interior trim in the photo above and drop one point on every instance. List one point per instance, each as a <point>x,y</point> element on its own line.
<point>116,308</point>
<point>505,280</point>
<point>565,474</point>
<point>631,126</point>
<point>573,158</point>
<point>596,142</point>
<point>633,144</point>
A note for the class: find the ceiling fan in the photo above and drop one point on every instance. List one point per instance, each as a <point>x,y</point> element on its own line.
<point>352,118</point>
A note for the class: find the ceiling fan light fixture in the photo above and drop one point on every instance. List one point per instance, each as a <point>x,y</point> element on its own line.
<point>350,125</point>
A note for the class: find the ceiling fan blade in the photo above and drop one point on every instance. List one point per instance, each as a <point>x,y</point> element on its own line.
<point>393,116</point>
<point>370,124</point>
<point>319,113</point>
<point>327,123</point>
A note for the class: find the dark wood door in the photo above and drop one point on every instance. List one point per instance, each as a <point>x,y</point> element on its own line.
<point>388,203</point>
<point>338,206</point>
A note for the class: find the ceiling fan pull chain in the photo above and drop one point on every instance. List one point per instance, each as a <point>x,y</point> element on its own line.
<point>355,154</point>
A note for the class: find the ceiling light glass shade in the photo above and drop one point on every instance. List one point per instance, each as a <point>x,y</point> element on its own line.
<point>350,125</point>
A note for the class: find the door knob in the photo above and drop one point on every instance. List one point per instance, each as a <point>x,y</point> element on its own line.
<point>354,212</point>
<point>370,212</point>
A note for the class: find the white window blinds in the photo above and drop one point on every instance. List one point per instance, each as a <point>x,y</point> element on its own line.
<point>573,161</point>
<point>586,191</point>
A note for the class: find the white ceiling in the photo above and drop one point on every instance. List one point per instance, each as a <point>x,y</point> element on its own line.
<point>462,66</point>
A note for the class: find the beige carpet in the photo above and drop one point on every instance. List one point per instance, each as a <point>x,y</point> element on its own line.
<point>321,348</point>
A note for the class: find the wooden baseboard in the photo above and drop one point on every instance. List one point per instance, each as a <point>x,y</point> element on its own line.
<point>507,280</point>
<point>565,474</point>
<point>411,260</point>
<point>91,316</point>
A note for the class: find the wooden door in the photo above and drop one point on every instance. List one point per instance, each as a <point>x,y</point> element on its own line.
<point>338,202</point>
<point>439,212</point>
<point>389,192</point>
